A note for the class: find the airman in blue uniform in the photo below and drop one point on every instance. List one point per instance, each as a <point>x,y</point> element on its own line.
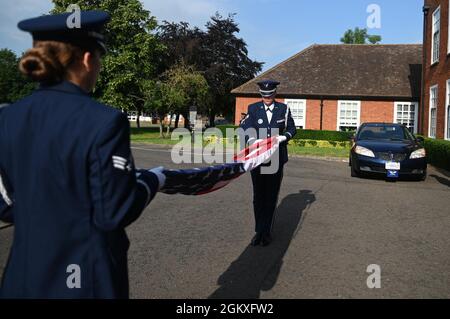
<point>268,118</point>
<point>67,177</point>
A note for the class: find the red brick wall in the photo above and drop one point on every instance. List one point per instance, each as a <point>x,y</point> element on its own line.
<point>329,120</point>
<point>379,111</point>
<point>371,111</point>
<point>439,73</point>
<point>242,104</point>
<point>313,115</point>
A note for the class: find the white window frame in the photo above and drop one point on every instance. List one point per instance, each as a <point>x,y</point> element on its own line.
<point>416,113</point>
<point>447,105</point>
<point>430,108</point>
<point>340,102</point>
<point>303,104</point>
<point>433,31</point>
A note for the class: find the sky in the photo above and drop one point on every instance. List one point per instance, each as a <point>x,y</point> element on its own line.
<point>273,29</point>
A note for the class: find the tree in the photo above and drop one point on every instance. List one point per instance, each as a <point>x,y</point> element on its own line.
<point>225,63</point>
<point>154,102</point>
<point>183,44</point>
<point>184,87</point>
<point>133,52</point>
<point>359,36</point>
<point>13,85</point>
<point>217,53</point>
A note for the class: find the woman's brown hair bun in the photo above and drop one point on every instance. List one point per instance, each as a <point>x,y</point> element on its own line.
<point>47,61</point>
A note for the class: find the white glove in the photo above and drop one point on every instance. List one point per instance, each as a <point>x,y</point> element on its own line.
<point>158,171</point>
<point>281,138</point>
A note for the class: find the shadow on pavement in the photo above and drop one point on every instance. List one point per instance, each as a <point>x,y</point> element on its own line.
<point>442,180</point>
<point>257,268</point>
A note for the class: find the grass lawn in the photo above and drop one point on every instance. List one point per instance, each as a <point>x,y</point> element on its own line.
<point>319,151</point>
<point>150,135</point>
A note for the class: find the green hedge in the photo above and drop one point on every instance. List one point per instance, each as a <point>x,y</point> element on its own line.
<point>324,135</point>
<point>438,152</point>
<point>321,144</point>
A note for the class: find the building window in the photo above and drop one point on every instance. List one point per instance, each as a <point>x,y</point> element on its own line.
<point>433,111</point>
<point>349,114</point>
<point>406,113</point>
<point>298,112</point>
<point>436,34</point>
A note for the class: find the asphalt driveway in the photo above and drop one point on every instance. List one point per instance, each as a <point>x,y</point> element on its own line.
<point>329,228</point>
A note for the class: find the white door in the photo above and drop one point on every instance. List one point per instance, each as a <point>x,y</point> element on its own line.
<point>298,112</point>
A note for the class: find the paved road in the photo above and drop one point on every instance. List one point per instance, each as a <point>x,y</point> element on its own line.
<point>329,228</point>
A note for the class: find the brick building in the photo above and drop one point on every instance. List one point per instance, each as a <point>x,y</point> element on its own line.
<point>435,119</point>
<point>338,87</point>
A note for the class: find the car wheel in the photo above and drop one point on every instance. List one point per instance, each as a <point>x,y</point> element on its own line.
<point>423,177</point>
<point>353,171</point>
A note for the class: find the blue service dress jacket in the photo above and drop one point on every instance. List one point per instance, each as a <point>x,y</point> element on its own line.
<point>281,123</point>
<point>69,186</point>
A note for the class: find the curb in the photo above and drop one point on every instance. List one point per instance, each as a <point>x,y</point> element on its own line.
<point>321,158</point>
<point>4,225</point>
<point>162,146</point>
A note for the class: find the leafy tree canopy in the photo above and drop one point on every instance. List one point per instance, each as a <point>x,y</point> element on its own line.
<point>359,36</point>
<point>13,85</point>
<point>217,53</point>
<point>133,51</point>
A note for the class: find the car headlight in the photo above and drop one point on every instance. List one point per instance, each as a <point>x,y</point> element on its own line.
<point>364,151</point>
<point>420,153</point>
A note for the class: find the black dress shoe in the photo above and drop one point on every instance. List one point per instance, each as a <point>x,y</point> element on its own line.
<point>257,239</point>
<point>266,240</point>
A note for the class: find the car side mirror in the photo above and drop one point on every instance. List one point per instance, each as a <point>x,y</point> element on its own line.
<point>420,139</point>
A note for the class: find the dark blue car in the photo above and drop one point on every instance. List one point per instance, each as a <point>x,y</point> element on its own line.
<point>387,149</point>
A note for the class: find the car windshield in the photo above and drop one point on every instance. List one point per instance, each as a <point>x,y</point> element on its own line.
<point>384,132</point>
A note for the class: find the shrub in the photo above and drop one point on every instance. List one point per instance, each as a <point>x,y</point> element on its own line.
<point>320,144</point>
<point>323,135</point>
<point>438,152</point>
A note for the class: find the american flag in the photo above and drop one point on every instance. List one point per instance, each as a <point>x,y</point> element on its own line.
<point>199,181</point>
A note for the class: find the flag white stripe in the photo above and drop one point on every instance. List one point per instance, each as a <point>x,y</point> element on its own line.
<point>251,163</point>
